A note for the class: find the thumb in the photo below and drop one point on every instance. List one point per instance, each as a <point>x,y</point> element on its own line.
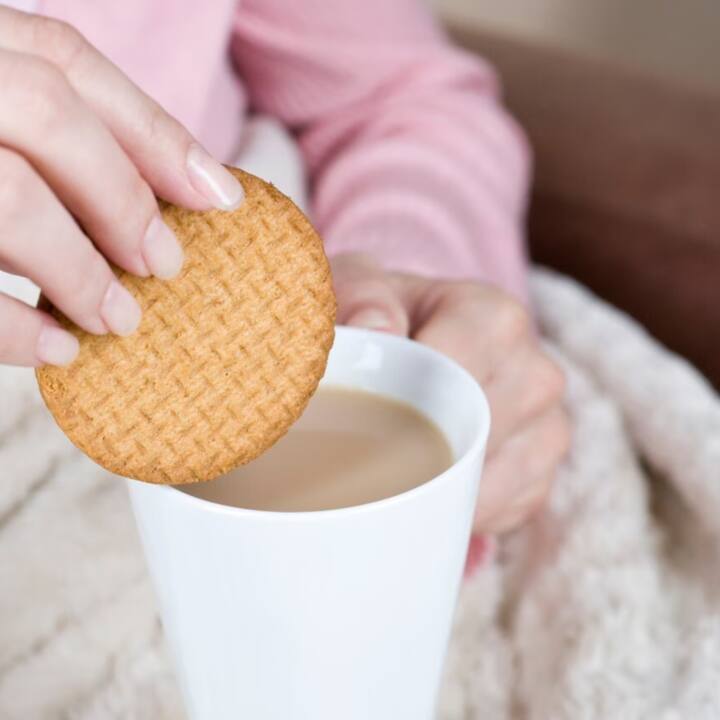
<point>366,296</point>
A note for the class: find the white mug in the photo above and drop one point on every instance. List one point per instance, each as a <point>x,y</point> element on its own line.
<point>327,615</point>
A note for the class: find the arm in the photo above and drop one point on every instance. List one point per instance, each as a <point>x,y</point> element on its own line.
<point>414,163</point>
<point>411,156</point>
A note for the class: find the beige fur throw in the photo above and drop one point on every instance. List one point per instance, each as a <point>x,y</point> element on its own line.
<point>607,606</point>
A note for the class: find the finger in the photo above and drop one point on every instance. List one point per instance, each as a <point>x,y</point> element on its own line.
<point>167,156</point>
<point>40,240</point>
<point>45,120</point>
<point>478,326</point>
<point>480,550</point>
<point>527,385</point>
<point>525,509</point>
<point>366,297</point>
<point>520,475</point>
<point>32,338</point>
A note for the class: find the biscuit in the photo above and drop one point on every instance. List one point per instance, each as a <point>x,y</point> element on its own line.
<point>227,354</point>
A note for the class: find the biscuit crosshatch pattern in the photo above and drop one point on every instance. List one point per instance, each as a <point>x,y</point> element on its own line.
<point>226,357</point>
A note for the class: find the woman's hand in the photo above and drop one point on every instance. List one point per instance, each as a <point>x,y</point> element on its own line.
<point>490,334</point>
<point>82,154</point>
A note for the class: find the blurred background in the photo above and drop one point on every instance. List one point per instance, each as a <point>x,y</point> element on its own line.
<point>674,39</point>
<point>621,101</point>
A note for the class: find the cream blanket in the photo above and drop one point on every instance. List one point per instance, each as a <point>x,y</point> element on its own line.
<point>608,606</point>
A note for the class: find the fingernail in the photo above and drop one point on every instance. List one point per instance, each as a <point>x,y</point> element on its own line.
<point>56,346</point>
<point>212,180</point>
<point>371,319</point>
<point>161,250</point>
<point>119,310</point>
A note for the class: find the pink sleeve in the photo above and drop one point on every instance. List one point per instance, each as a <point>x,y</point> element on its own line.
<point>412,157</point>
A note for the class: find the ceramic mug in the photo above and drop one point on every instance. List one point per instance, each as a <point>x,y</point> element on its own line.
<point>330,614</point>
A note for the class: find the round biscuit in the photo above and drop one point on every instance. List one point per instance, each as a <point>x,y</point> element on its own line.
<point>227,354</point>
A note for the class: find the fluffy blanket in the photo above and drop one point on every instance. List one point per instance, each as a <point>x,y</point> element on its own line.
<point>607,606</point>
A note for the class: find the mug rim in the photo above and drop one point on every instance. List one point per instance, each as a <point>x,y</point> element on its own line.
<point>476,446</point>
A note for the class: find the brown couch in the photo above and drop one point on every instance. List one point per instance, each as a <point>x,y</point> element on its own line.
<point>627,188</point>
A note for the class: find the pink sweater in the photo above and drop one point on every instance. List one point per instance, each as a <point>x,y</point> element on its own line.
<point>410,153</point>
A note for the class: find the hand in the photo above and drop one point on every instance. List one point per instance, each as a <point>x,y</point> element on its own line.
<point>489,334</point>
<point>82,154</point>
